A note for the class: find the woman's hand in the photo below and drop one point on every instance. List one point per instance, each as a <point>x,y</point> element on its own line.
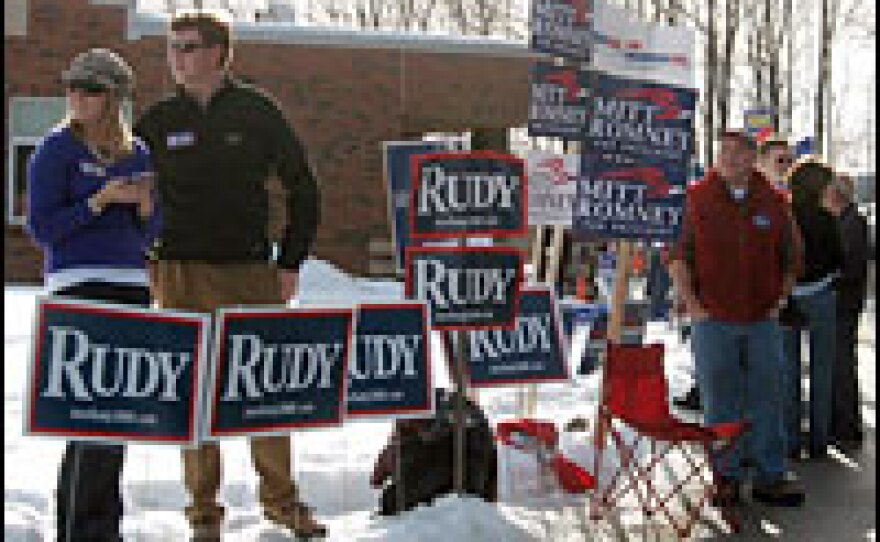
<point>116,190</point>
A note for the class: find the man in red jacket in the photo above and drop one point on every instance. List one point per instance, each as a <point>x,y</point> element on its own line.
<point>735,262</point>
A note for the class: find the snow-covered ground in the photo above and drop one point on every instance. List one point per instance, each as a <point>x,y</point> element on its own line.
<point>331,466</point>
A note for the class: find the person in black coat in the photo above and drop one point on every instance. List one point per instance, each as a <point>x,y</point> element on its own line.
<point>814,300</point>
<point>852,289</point>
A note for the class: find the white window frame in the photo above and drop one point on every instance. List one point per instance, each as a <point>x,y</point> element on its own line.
<point>14,142</point>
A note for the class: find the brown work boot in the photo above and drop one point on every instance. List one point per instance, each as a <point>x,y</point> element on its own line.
<point>206,521</point>
<point>206,532</point>
<point>298,518</point>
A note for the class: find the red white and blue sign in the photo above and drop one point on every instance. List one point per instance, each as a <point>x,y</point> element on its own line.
<point>113,373</point>
<point>643,200</point>
<point>578,321</point>
<point>397,155</point>
<point>390,373</point>
<point>277,370</point>
<point>466,287</point>
<point>478,193</point>
<point>558,104</point>
<point>639,118</point>
<point>563,28</point>
<point>532,351</point>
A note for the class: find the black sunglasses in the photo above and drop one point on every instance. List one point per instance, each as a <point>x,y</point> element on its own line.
<point>88,87</point>
<point>186,46</point>
<point>784,160</point>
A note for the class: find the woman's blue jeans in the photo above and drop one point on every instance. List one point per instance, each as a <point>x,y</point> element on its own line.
<point>820,311</point>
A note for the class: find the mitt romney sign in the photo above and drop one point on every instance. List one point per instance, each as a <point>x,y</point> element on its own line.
<point>532,351</point>
<point>114,373</point>
<point>629,201</point>
<point>466,287</point>
<point>390,374</point>
<point>563,28</point>
<point>467,193</point>
<point>558,104</point>
<point>278,369</point>
<point>639,118</point>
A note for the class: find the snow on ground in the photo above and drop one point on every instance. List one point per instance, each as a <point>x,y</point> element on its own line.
<point>331,466</point>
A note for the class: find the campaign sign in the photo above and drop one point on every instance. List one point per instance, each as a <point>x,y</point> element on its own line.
<point>532,351</point>
<point>114,373</point>
<point>466,287</point>
<point>390,373</point>
<point>552,187</point>
<point>758,122</point>
<point>396,155</point>
<point>629,47</point>
<point>578,322</point>
<point>563,28</point>
<point>467,193</point>
<point>278,369</point>
<point>586,328</point>
<point>558,104</point>
<point>633,117</point>
<point>629,201</point>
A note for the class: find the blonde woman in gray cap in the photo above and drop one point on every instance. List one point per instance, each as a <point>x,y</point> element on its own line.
<point>92,211</point>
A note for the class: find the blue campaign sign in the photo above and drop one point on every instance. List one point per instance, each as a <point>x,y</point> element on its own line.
<point>116,374</point>
<point>584,326</point>
<point>532,351</point>
<point>468,193</point>
<point>276,370</point>
<point>563,28</point>
<point>629,201</point>
<point>390,374</point>
<point>558,105</point>
<point>466,287</point>
<point>590,353</point>
<point>639,118</point>
<point>397,160</point>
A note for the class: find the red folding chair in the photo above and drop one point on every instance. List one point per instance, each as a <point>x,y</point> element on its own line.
<point>634,402</point>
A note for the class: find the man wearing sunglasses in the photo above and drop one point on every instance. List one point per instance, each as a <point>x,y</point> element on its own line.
<point>774,160</point>
<point>215,142</point>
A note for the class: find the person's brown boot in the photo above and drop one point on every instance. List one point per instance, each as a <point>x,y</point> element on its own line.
<point>298,518</point>
<point>206,532</point>
<point>205,521</point>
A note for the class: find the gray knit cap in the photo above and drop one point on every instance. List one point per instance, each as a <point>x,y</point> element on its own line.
<point>104,67</point>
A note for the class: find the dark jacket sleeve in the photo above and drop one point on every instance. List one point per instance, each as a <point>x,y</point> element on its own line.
<point>853,282</point>
<point>302,193</point>
<point>153,224</point>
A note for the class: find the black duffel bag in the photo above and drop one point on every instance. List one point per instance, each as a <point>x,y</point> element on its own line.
<point>416,466</point>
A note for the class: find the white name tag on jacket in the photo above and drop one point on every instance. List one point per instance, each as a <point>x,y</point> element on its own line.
<point>180,139</point>
<point>90,168</point>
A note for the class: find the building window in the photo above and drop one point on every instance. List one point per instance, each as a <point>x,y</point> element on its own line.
<point>30,118</point>
<point>15,13</point>
<point>16,198</point>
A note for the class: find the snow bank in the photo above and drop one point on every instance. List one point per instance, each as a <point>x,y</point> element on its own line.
<point>450,518</point>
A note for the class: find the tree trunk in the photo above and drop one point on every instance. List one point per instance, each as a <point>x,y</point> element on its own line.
<point>788,13</point>
<point>772,58</point>
<point>709,99</point>
<point>731,20</point>
<point>824,60</point>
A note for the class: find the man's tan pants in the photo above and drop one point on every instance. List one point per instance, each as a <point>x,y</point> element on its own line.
<point>204,287</point>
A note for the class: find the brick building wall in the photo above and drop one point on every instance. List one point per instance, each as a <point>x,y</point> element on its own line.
<point>344,93</point>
